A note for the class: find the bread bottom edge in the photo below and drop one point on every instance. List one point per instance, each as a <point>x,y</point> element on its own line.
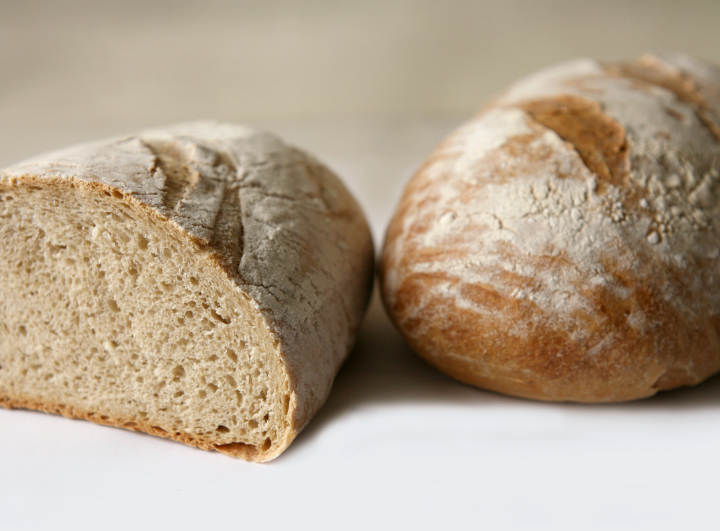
<point>244,451</point>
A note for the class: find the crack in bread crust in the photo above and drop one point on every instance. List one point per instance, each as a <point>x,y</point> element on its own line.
<point>599,139</point>
<point>651,70</point>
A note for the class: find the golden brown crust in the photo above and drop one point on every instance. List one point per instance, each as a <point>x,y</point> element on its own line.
<point>650,70</point>
<point>244,451</point>
<point>598,139</point>
<point>561,246</point>
<point>546,363</point>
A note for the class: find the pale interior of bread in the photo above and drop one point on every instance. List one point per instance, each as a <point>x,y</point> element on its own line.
<point>109,313</point>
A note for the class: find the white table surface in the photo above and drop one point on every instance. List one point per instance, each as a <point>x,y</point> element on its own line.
<point>397,444</point>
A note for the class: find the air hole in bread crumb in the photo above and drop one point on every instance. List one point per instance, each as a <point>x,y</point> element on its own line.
<point>222,429</point>
<point>189,314</point>
<point>253,424</point>
<point>167,253</point>
<point>231,381</point>
<point>178,372</point>
<point>201,393</point>
<point>113,305</point>
<point>213,357</point>
<point>237,449</point>
<point>212,387</point>
<point>117,194</point>
<point>219,317</point>
<point>22,330</point>
<point>238,397</point>
<point>266,445</point>
<point>286,404</point>
<point>179,394</point>
<point>194,281</point>
<point>230,353</point>
<point>142,242</point>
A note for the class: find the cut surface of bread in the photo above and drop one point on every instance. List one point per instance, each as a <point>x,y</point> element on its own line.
<point>202,283</point>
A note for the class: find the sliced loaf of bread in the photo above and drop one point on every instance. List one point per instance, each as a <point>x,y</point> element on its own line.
<point>202,283</point>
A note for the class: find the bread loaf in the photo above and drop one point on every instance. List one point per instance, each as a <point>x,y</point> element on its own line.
<point>202,283</point>
<point>565,243</point>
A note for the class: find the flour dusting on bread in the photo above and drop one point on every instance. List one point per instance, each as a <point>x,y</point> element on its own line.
<point>552,245</point>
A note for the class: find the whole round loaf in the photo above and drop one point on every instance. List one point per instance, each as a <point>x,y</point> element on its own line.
<point>565,243</point>
<point>202,282</point>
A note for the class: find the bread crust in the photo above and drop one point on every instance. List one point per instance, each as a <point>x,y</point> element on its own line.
<point>247,452</point>
<point>267,219</point>
<point>563,244</point>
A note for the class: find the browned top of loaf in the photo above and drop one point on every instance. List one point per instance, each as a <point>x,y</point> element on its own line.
<point>564,244</point>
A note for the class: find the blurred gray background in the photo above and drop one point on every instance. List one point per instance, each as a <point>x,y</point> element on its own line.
<point>368,85</point>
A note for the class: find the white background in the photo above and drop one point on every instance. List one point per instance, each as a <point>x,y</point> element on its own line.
<point>369,87</point>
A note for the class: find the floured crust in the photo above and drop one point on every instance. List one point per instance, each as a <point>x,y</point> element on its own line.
<point>262,217</point>
<point>564,244</point>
